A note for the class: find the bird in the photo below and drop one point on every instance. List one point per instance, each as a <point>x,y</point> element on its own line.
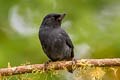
<point>55,41</point>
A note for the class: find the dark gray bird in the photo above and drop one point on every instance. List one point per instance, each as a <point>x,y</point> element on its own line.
<point>55,42</point>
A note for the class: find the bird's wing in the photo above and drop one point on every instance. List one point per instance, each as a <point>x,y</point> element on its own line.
<point>68,42</point>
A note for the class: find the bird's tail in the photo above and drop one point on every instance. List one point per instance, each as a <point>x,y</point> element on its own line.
<point>73,67</point>
<point>71,71</point>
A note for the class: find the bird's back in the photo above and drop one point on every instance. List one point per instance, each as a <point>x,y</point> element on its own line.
<point>54,43</point>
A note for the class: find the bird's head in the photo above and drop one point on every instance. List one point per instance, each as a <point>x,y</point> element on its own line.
<point>53,20</point>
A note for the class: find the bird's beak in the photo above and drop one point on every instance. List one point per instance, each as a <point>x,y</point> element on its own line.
<point>61,17</point>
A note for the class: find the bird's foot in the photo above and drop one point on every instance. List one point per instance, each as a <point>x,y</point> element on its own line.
<point>46,65</point>
<point>73,67</point>
<point>74,61</point>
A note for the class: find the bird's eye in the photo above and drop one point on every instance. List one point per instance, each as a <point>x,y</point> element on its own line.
<point>57,16</point>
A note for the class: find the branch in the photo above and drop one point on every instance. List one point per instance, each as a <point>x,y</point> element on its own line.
<point>60,65</point>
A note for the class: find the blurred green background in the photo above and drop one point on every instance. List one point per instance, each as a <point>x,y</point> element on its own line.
<point>93,25</point>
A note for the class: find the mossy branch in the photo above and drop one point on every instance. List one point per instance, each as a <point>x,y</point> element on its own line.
<point>60,65</point>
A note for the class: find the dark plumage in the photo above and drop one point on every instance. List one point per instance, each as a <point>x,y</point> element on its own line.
<point>55,42</point>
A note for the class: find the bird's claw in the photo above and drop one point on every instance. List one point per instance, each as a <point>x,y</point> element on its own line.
<point>74,61</point>
<point>46,65</point>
